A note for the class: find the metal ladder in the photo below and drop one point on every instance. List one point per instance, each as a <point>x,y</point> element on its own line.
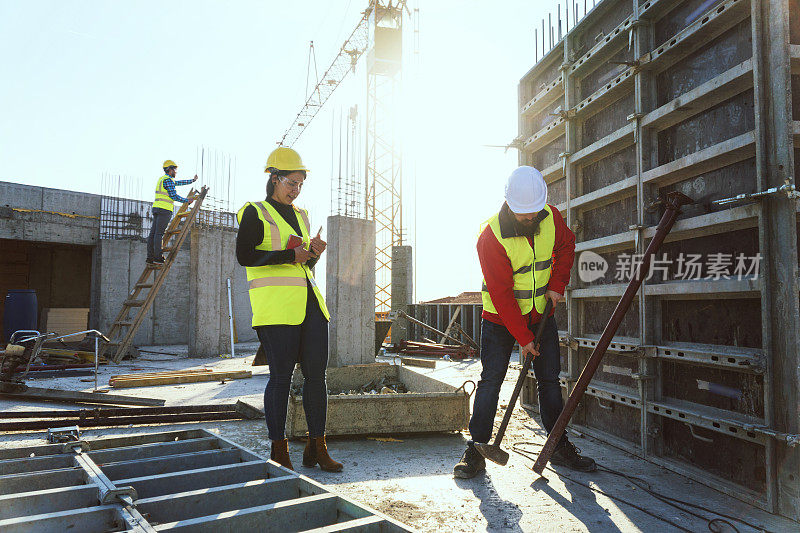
<point>145,290</point>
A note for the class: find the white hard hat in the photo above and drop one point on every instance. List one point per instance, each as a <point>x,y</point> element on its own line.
<point>526,191</point>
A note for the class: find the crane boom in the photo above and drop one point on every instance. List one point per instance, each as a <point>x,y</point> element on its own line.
<point>345,62</point>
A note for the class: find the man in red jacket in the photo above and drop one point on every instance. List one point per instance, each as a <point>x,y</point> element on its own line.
<point>526,253</point>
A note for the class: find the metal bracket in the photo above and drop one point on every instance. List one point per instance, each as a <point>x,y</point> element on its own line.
<point>638,229</point>
<point>569,341</point>
<point>695,435</point>
<point>563,156</point>
<point>125,494</point>
<point>63,434</point>
<point>78,446</point>
<point>635,117</point>
<point>607,407</point>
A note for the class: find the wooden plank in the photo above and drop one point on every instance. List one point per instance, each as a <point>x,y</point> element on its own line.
<point>415,361</point>
<point>176,379</point>
<point>162,374</point>
<point>80,397</point>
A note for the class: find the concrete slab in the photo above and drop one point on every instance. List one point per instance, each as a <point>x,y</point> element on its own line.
<point>410,478</point>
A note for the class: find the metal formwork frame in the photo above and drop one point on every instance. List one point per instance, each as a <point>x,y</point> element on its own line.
<point>771,143</point>
<point>188,480</point>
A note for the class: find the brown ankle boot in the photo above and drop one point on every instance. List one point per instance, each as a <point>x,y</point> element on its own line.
<point>317,452</point>
<point>280,453</point>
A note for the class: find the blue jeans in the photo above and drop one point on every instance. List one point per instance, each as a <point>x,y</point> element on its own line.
<point>496,346</point>
<point>284,345</point>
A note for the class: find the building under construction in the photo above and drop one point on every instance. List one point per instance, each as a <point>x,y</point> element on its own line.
<point>693,412</point>
<point>646,97</point>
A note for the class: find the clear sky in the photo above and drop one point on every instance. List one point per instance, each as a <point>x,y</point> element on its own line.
<point>94,87</point>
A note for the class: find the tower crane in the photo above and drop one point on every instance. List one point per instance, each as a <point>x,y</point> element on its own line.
<point>379,35</point>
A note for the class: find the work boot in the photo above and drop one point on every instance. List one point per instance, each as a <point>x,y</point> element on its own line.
<point>280,453</point>
<point>316,452</point>
<point>470,464</point>
<point>570,456</point>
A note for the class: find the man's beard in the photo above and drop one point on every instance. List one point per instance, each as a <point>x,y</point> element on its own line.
<point>528,227</point>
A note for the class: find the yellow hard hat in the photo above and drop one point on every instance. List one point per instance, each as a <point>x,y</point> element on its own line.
<point>283,158</point>
<point>169,163</point>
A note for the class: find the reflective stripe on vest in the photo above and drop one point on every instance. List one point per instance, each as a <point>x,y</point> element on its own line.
<point>163,201</point>
<point>531,277</point>
<point>278,293</point>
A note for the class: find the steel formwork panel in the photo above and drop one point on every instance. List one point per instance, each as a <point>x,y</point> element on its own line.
<point>189,480</point>
<point>685,95</point>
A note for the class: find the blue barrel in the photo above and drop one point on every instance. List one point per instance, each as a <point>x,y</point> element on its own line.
<point>20,312</point>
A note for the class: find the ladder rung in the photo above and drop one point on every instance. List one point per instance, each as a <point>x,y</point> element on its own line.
<point>144,285</point>
<point>184,214</point>
<point>176,230</point>
<point>167,249</point>
<point>133,303</point>
<point>154,266</point>
<point>123,323</point>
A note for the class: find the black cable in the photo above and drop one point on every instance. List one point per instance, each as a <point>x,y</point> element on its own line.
<point>712,523</point>
<point>672,501</point>
<point>527,454</point>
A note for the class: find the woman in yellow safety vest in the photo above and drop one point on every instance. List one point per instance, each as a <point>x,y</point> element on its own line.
<point>289,313</point>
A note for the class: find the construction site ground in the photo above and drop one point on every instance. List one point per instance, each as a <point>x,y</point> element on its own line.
<point>409,477</point>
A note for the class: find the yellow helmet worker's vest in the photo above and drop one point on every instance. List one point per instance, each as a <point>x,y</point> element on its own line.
<point>531,266</point>
<point>162,196</point>
<point>278,293</point>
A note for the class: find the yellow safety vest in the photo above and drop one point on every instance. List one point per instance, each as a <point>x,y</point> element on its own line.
<point>278,293</point>
<point>162,196</point>
<point>529,289</point>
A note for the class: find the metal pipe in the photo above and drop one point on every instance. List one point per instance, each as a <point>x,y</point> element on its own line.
<point>424,325</point>
<point>230,316</point>
<point>674,201</point>
<point>96,359</point>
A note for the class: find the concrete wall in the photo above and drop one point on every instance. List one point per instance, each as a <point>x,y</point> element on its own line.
<point>350,288</point>
<point>39,214</point>
<point>48,215</point>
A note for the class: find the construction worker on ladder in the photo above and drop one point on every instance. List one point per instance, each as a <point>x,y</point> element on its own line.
<point>275,246</point>
<point>526,253</point>
<point>162,209</point>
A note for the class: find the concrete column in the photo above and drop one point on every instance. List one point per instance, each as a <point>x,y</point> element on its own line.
<point>402,289</point>
<point>205,290</point>
<point>350,288</point>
